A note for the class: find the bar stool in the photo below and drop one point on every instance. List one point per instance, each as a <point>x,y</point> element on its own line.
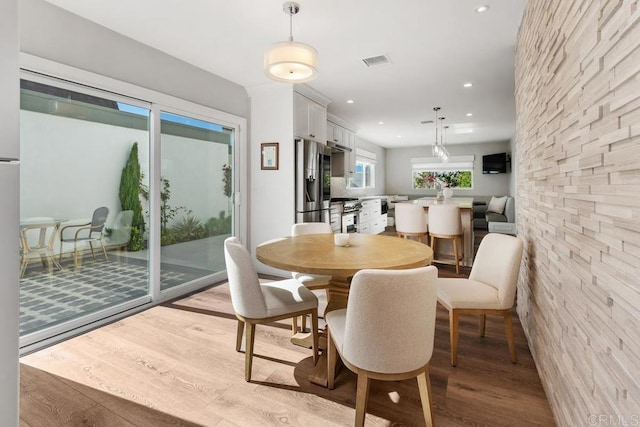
<point>411,221</point>
<point>445,223</point>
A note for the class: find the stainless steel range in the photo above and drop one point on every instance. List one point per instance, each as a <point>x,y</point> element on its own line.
<point>347,210</point>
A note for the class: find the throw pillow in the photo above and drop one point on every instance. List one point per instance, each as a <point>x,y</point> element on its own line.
<point>497,204</point>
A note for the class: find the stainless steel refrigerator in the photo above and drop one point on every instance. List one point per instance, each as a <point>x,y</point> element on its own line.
<point>313,181</point>
<point>9,212</point>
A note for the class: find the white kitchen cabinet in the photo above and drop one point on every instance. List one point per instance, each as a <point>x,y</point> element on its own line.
<point>335,133</point>
<point>343,163</point>
<point>370,219</point>
<point>350,158</point>
<point>310,119</point>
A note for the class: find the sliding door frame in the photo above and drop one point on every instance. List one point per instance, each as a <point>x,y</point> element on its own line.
<point>156,101</point>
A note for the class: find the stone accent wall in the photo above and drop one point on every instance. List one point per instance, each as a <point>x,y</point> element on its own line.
<point>577,150</point>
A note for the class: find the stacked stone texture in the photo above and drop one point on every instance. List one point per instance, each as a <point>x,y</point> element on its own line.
<point>577,154</point>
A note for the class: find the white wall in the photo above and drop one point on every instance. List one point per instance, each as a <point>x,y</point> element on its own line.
<point>194,170</point>
<point>70,167</point>
<point>272,204</point>
<point>9,146</point>
<point>399,178</point>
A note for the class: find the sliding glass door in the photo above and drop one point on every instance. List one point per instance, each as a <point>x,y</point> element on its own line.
<point>123,203</point>
<point>196,185</point>
<point>83,153</point>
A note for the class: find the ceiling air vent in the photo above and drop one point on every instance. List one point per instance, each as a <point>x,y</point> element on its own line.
<point>376,60</point>
<point>426,122</point>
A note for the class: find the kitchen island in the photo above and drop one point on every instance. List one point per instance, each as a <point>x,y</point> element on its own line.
<point>466,213</point>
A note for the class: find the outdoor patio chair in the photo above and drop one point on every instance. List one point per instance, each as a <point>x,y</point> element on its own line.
<point>91,232</point>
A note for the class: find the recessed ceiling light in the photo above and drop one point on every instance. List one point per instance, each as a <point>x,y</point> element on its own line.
<point>467,84</point>
<point>469,114</point>
<point>380,123</point>
<point>399,136</point>
<point>349,101</point>
<point>482,9</point>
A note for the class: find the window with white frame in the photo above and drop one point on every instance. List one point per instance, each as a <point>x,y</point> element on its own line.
<point>431,173</point>
<point>365,174</point>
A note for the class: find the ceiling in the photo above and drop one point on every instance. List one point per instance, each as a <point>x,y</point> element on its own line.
<point>434,47</point>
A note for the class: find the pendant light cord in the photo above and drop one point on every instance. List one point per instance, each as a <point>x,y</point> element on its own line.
<point>290,23</point>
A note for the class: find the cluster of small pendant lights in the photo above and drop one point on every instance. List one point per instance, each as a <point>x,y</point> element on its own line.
<point>438,148</point>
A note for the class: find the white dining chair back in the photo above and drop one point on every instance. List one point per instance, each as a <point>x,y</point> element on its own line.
<point>316,282</point>
<point>410,220</point>
<point>310,228</point>
<point>387,331</point>
<point>445,222</point>
<point>244,285</point>
<point>497,264</point>
<point>259,303</point>
<point>490,288</point>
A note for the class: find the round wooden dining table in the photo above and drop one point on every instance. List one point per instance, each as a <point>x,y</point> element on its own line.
<point>317,254</point>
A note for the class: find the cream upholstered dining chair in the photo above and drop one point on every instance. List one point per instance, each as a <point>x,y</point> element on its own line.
<point>445,223</point>
<point>386,332</point>
<point>411,221</point>
<point>255,303</point>
<point>311,281</point>
<point>490,288</point>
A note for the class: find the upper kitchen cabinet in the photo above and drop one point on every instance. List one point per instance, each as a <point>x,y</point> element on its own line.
<point>344,157</point>
<point>335,133</point>
<point>310,118</point>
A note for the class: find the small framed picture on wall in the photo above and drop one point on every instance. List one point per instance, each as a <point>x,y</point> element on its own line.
<point>269,156</point>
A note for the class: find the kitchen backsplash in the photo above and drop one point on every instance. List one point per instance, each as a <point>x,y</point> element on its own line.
<point>339,189</point>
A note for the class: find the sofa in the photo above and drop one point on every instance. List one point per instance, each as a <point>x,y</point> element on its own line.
<point>482,218</point>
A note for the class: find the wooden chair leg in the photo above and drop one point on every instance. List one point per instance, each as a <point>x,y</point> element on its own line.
<point>455,254</point>
<point>250,334</point>
<point>294,325</point>
<point>453,332</point>
<point>332,357</point>
<point>483,320</point>
<point>303,326</point>
<point>509,328</point>
<point>93,254</point>
<point>433,244</point>
<point>23,266</point>
<point>362,395</point>
<point>104,251</point>
<point>424,385</point>
<point>239,334</point>
<point>314,334</point>
<point>75,256</point>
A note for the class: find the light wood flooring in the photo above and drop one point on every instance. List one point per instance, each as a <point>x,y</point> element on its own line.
<point>176,365</point>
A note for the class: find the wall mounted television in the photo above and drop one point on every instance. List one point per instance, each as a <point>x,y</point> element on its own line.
<point>494,163</point>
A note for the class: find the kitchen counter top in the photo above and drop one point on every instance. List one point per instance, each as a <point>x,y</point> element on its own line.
<point>462,202</point>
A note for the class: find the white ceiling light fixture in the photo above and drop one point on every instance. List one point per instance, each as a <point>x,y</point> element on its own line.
<point>350,101</point>
<point>468,85</point>
<point>291,62</point>
<point>482,9</point>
